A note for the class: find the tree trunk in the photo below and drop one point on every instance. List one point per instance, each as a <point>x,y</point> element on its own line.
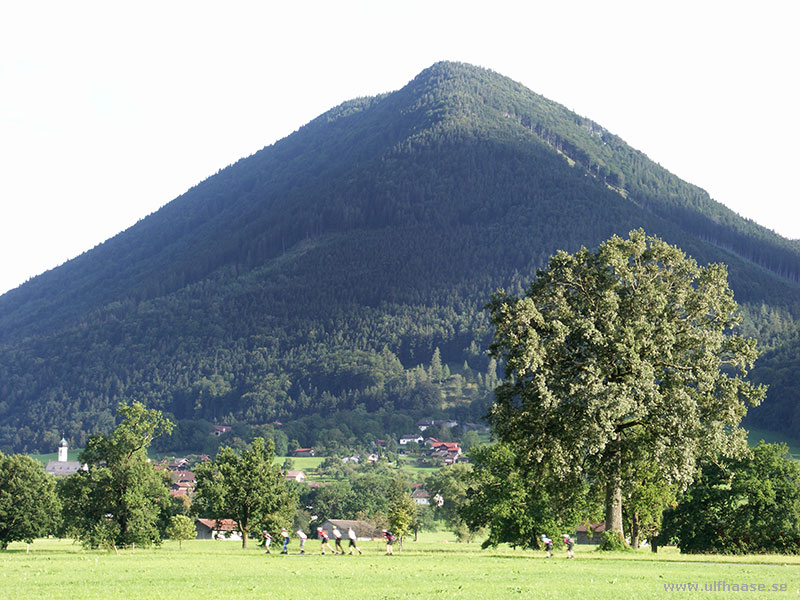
<point>614,489</point>
<point>244,540</point>
<point>635,531</point>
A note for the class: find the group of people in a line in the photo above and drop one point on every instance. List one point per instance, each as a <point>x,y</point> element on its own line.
<point>388,537</point>
<point>548,546</point>
<point>324,540</point>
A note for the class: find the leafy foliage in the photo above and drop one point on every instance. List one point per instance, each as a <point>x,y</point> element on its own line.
<point>121,499</point>
<point>451,484</point>
<point>621,357</point>
<point>181,528</point>
<point>402,511</point>
<point>29,507</point>
<point>247,488</point>
<point>741,506</point>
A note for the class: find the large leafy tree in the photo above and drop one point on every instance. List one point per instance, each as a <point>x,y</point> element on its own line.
<point>28,504</point>
<point>247,488</point>
<point>121,499</point>
<point>626,354</point>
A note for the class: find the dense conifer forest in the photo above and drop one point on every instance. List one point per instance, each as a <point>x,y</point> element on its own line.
<point>317,279</point>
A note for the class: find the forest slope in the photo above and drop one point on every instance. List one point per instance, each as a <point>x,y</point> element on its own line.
<point>320,273</point>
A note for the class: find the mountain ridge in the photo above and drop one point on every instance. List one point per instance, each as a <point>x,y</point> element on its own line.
<point>384,223</point>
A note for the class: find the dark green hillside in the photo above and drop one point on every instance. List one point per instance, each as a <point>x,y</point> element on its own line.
<point>316,276</point>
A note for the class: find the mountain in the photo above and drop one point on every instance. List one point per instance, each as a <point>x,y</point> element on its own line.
<point>313,282</point>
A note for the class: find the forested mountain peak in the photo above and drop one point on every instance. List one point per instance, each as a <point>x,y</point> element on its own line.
<point>319,274</point>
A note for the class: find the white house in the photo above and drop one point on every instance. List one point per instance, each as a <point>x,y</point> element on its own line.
<point>407,439</point>
<point>421,496</point>
<point>298,476</point>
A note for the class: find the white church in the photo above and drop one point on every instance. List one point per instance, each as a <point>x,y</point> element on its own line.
<point>62,466</point>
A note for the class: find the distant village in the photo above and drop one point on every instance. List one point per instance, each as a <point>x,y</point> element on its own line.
<point>428,451</point>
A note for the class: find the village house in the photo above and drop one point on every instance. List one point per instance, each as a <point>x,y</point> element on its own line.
<point>304,452</point>
<point>423,424</point>
<point>421,496</point>
<point>183,476</point>
<point>407,439</point>
<point>589,533</point>
<point>450,447</point>
<point>298,476</point>
<point>211,529</point>
<point>177,464</point>
<point>221,430</point>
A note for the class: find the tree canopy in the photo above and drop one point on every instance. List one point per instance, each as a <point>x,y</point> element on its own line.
<point>747,505</point>
<point>626,355</point>
<point>121,499</point>
<point>29,507</point>
<point>248,488</point>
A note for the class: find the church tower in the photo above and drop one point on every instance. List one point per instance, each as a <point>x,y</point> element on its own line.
<point>62,450</point>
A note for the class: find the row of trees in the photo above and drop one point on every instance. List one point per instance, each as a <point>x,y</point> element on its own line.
<point>624,376</point>
<point>122,500</point>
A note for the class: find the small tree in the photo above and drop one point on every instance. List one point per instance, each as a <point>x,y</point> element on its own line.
<point>516,505</point>
<point>246,487</point>
<point>181,528</point>
<point>450,485</point>
<point>402,511</point>
<point>29,507</point>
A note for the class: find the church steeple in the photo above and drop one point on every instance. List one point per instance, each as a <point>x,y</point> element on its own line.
<point>62,450</point>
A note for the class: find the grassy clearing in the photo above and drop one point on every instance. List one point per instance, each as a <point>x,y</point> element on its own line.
<point>434,567</point>
<point>754,436</point>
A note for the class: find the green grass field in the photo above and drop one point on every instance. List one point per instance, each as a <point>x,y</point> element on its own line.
<point>434,567</point>
<point>754,436</point>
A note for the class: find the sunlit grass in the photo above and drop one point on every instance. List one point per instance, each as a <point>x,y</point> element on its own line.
<point>434,567</point>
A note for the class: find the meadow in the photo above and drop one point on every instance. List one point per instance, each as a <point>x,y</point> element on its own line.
<point>433,567</point>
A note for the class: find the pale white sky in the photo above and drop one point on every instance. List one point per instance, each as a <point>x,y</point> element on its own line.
<point>109,110</point>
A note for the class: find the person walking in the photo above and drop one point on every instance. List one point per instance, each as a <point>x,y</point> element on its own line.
<point>285,534</point>
<point>351,535</point>
<point>548,545</point>
<point>337,535</point>
<point>303,537</point>
<point>569,543</point>
<point>323,538</point>
<point>389,537</point>
<point>267,540</point>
